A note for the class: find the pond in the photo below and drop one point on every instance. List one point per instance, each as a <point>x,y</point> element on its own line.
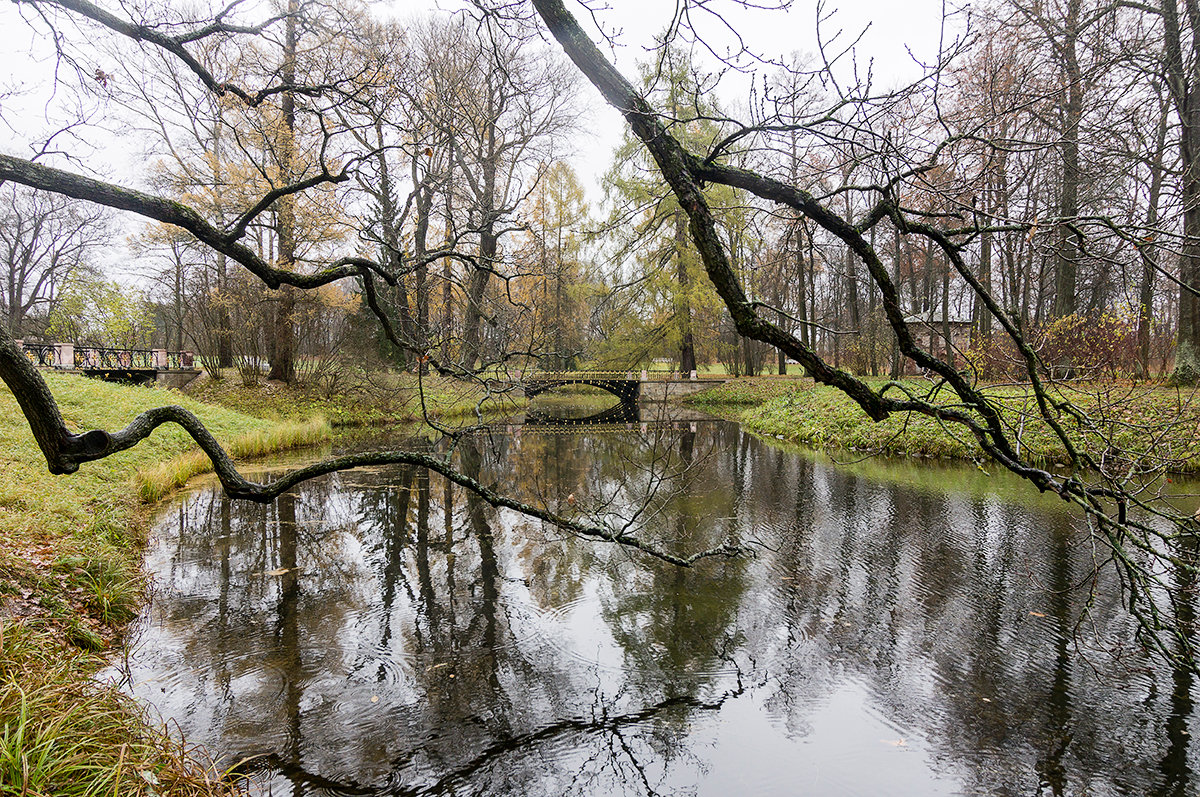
<point>899,629</point>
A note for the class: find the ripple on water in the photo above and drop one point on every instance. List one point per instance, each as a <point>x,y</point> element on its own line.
<point>580,630</point>
<point>380,653</point>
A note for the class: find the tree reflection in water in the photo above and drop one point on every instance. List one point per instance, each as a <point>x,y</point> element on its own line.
<point>383,633</point>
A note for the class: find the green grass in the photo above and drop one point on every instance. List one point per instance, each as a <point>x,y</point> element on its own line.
<point>63,734</point>
<point>70,579</point>
<point>50,523</point>
<point>747,392</point>
<point>365,400</point>
<point>155,482</point>
<point>1150,425</point>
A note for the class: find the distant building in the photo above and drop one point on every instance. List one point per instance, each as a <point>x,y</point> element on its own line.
<point>928,332</point>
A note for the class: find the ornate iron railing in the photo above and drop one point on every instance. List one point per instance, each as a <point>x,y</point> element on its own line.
<point>97,358</point>
<point>104,358</point>
<point>44,355</point>
<point>180,360</point>
<point>651,376</point>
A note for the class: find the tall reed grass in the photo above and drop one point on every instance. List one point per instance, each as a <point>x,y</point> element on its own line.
<point>65,735</point>
<point>156,482</point>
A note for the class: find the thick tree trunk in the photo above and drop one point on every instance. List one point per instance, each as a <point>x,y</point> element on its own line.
<point>447,317</point>
<point>946,336</point>
<point>476,290</point>
<point>178,307</point>
<point>1148,250</point>
<point>424,202</point>
<point>224,331</point>
<point>1183,81</point>
<point>488,246</point>
<point>687,344</point>
<point>224,321</point>
<point>391,253</point>
<point>283,364</point>
<point>897,368</point>
<point>1187,353</point>
<point>419,327</point>
<point>13,310</point>
<point>982,319</point>
<point>283,334</point>
<point>1067,252</point>
<point>1066,258</point>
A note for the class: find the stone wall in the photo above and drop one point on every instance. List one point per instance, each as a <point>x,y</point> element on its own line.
<point>667,390</point>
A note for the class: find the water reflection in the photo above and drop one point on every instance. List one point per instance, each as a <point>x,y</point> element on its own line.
<point>381,632</point>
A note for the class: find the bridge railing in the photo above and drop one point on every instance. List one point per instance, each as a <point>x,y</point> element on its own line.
<point>43,355</point>
<point>581,375</point>
<point>100,358</point>
<point>653,376</point>
<point>104,358</point>
<point>176,360</point>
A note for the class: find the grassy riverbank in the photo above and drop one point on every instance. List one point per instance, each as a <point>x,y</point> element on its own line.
<point>70,580</point>
<point>366,400</point>
<point>1160,423</point>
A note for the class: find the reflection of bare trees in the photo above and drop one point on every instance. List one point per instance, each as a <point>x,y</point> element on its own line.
<point>396,635</point>
<point>604,733</point>
<point>1176,777</point>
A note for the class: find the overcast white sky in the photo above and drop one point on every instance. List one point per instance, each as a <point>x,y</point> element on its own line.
<point>896,33</point>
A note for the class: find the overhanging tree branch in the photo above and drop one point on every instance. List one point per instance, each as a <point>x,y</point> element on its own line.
<point>47,178</point>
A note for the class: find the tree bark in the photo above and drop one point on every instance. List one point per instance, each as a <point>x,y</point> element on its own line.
<point>488,246</point>
<point>687,343</point>
<point>1182,73</point>
<point>283,364</point>
<point>1148,251</point>
<point>1066,258</point>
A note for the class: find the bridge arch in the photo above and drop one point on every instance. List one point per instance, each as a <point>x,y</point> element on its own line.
<point>626,388</point>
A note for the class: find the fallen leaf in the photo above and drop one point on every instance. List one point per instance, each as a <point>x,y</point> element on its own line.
<point>1037,614</point>
<point>374,698</point>
<point>895,742</point>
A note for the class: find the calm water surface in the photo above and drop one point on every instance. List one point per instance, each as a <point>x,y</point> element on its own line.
<point>901,630</point>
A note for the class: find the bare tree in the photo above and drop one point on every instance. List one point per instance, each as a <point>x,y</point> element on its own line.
<point>44,240</point>
<point>1102,490</point>
<point>489,161</point>
<point>886,186</point>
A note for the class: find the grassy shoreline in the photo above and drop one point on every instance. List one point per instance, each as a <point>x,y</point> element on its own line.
<point>387,399</point>
<point>1159,425</point>
<point>71,570</point>
<point>71,580</point>
<point>71,546</point>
